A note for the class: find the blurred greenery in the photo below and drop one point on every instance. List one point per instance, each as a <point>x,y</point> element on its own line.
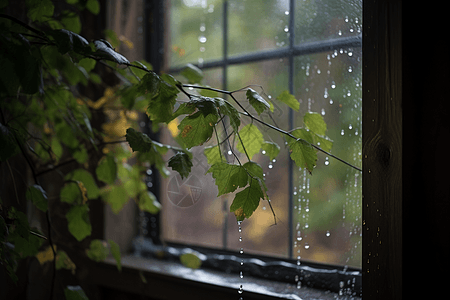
<point>328,83</point>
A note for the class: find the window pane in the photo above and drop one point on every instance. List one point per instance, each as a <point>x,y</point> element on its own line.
<point>323,19</point>
<point>256,25</point>
<point>327,203</point>
<point>196,28</point>
<point>258,232</point>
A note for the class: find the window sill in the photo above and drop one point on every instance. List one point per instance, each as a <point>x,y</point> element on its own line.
<point>171,280</point>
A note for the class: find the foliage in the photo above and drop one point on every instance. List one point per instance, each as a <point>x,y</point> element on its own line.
<point>48,119</point>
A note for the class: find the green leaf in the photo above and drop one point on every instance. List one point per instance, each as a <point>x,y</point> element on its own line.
<point>228,177</point>
<point>71,193</point>
<point>252,139</point>
<point>98,250</point>
<point>315,123</point>
<point>246,201</point>
<point>289,99</point>
<point>148,202</point>
<point>303,154</point>
<point>107,170</point>
<point>88,181</point>
<point>324,142</point>
<point>80,154</point>
<point>38,196</point>
<point>181,163</point>
<point>71,21</point>
<point>270,149</point>
<point>63,261</point>
<point>39,10</point>
<point>93,6</point>
<point>116,196</point>
<point>67,40</point>
<point>9,146</point>
<point>192,73</point>
<point>190,260</point>
<point>25,244</point>
<point>229,110</point>
<point>208,93</point>
<point>78,222</point>
<point>197,129</point>
<point>162,97</point>
<point>115,250</point>
<point>213,155</point>
<point>104,50</point>
<point>138,141</point>
<point>75,293</point>
<point>258,102</point>
<point>87,63</point>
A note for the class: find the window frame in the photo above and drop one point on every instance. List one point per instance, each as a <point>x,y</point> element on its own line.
<point>156,55</point>
<point>382,153</point>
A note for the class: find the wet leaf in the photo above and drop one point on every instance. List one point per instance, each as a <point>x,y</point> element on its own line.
<point>303,154</point>
<point>38,197</point>
<point>258,102</point>
<point>247,200</point>
<point>271,149</point>
<point>197,129</point>
<point>252,139</point>
<point>315,123</point>
<point>192,73</point>
<point>289,99</point>
<point>181,162</point>
<point>191,260</point>
<point>228,177</point>
<point>104,50</point>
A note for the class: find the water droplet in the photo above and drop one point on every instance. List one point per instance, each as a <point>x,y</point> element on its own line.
<point>241,275</point>
<point>327,162</point>
<point>306,224</point>
<point>342,132</point>
<point>240,239</point>
<point>306,246</point>
<point>331,101</point>
<point>350,69</point>
<point>241,251</point>
<point>270,166</point>
<point>340,32</point>
<point>286,29</point>
<point>299,238</point>
<point>263,152</point>
<point>322,112</point>
<point>202,27</point>
<point>202,39</point>
<point>286,13</point>
<point>242,262</point>
<point>230,152</point>
<point>241,289</point>
<point>333,85</point>
<point>328,233</point>
<point>299,285</point>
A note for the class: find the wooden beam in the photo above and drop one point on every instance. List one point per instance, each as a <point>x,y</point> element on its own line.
<point>382,150</point>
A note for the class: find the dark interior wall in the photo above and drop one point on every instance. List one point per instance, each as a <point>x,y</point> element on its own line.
<point>426,130</point>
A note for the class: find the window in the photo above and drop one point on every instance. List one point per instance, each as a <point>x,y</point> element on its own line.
<point>313,50</point>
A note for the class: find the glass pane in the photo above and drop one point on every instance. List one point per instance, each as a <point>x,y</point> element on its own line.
<point>190,205</point>
<point>196,31</point>
<point>256,25</point>
<point>328,203</point>
<point>323,19</point>
<point>258,233</point>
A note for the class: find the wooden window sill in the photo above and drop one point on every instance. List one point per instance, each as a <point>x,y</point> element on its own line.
<point>171,280</point>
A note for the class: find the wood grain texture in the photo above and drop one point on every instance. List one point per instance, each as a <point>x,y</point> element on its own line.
<point>382,150</point>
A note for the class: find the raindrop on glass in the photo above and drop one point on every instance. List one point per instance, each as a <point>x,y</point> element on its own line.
<point>306,246</point>
<point>328,233</point>
<point>202,39</point>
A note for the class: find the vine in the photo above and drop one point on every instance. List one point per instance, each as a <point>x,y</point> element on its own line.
<point>46,119</point>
